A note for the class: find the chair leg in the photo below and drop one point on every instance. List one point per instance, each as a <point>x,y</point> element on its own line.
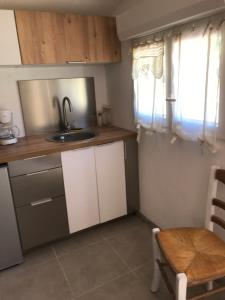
<point>209,285</point>
<point>181,286</point>
<point>156,255</point>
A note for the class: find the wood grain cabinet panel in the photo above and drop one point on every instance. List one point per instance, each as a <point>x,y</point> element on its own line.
<point>41,37</point>
<point>103,41</point>
<point>76,33</point>
<point>56,38</point>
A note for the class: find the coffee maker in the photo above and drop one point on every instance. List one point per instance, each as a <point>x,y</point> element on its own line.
<point>8,131</point>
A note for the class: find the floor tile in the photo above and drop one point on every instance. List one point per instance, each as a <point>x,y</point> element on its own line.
<point>145,274</point>
<point>81,239</point>
<point>125,288</point>
<point>39,256</point>
<point>93,262</point>
<point>220,296</point>
<point>91,266</point>
<point>120,226</point>
<point>134,246</point>
<point>202,288</point>
<point>41,282</point>
<point>36,257</point>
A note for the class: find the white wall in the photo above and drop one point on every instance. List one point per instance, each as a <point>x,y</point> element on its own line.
<point>120,93</point>
<point>173,178</point>
<point>150,15</point>
<point>9,95</point>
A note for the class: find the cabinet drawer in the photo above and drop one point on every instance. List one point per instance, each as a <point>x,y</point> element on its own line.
<point>37,186</point>
<point>42,222</point>
<point>34,164</point>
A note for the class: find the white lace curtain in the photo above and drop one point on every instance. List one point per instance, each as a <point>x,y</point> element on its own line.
<point>196,84</point>
<point>149,85</point>
<point>183,66</point>
<point>148,57</point>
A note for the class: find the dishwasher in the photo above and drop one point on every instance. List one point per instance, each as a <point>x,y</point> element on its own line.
<point>10,248</point>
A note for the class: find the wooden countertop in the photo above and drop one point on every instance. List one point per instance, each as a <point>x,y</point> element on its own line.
<point>38,145</point>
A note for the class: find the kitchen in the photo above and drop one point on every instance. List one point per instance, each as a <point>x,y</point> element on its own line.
<point>80,194</point>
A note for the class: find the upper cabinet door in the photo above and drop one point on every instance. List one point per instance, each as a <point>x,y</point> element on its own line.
<point>110,169</point>
<point>9,46</point>
<point>76,37</point>
<point>41,37</point>
<point>56,38</point>
<point>80,188</point>
<point>104,44</point>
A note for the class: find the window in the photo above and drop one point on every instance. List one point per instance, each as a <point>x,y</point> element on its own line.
<point>190,74</point>
<point>196,77</point>
<point>149,86</point>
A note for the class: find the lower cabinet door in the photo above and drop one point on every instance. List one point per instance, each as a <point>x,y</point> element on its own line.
<point>42,221</point>
<point>110,168</point>
<point>80,188</point>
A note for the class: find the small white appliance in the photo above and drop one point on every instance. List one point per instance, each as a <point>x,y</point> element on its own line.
<point>8,131</point>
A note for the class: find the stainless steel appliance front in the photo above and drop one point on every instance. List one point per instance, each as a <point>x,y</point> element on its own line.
<point>41,102</point>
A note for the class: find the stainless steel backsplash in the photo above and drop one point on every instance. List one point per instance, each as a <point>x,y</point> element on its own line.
<point>41,102</point>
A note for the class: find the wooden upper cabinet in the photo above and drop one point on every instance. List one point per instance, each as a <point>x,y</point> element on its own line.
<point>104,44</point>
<point>41,37</point>
<point>76,36</point>
<point>56,38</point>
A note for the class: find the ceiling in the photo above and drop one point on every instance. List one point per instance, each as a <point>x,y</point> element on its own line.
<point>93,7</point>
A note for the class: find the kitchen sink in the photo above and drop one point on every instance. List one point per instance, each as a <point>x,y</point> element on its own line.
<point>71,136</point>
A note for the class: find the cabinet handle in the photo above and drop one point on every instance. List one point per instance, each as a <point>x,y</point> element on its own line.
<point>76,62</point>
<point>35,173</point>
<point>40,202</point>
<point>30,158</point>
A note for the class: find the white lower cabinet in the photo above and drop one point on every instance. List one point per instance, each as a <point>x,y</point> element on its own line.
<point>110,169</point>
<point>95,185</point>
<point>79,175</point>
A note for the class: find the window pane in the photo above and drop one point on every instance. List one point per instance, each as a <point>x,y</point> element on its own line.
<point>150,100</point>
<point>196,62</point>
<point>190,77</point>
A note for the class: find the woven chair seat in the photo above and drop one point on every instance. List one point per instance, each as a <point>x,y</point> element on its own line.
<point>198,253</point>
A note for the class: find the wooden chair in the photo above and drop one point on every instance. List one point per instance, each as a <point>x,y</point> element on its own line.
<point>195,255</point>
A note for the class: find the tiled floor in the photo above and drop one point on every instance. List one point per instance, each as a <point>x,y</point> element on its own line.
<point>111,262</point>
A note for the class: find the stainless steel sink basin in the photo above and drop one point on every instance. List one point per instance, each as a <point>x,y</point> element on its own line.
<point>71,136</point>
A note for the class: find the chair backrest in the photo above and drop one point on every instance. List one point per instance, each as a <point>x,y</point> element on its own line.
<point>216,175</point>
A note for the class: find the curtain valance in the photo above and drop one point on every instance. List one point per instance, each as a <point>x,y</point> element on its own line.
<point>148,57</point>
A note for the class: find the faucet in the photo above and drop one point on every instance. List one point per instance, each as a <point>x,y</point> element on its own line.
<point>66,124</point>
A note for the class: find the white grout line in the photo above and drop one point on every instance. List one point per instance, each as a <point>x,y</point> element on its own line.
<point>25,267</point>
<point>77,249</point>
<point>127,230</point>
<point>98,286</point>
<point>131,270</point>
<point>64,274</point>
<point>117,254</point>
<point>103,284</point>
<point>140,266</point>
